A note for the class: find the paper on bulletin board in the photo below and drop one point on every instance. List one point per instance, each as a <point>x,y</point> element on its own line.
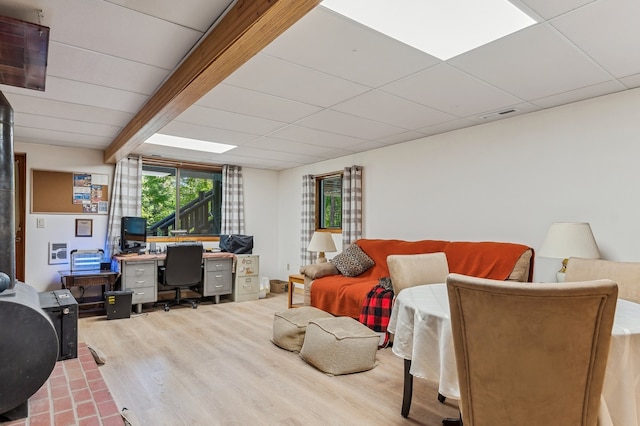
<point>89,190</point>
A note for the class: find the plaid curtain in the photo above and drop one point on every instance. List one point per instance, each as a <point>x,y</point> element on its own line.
<point>351,205</point>
<point>308,217</point>
<point>126,197</point>
<point>232,200</point>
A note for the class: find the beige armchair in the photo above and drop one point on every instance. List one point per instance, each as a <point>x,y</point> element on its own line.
<point>625,274</point>
<point>530,354</point>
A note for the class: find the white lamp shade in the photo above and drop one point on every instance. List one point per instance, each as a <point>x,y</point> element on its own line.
<point>569,239</point>
<point>322,242</point>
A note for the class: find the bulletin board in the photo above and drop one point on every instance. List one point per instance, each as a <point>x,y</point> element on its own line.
<point>69,192</point>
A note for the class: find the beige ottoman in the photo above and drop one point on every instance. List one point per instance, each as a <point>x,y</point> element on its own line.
<point>340,345</point>
<point>289,326</point>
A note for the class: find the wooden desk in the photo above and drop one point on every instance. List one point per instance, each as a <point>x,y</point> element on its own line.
<point>106,279</point>
<point>294,279</point>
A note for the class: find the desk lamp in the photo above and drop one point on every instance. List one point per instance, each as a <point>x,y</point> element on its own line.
<point>569,239</point>
<point>321,242</point>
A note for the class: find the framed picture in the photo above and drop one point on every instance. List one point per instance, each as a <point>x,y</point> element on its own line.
<point>84,227</point>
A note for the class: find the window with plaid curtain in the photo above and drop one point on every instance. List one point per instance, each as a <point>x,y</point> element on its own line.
<point>232,200</point>
<point>351,205</point>
<point>308,217</point>
<point>125,200</point>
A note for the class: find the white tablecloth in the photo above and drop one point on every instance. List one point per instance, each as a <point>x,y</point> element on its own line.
<point>422,333</point>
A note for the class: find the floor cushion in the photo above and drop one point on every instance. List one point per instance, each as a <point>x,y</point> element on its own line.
<point>289,326</point>
<point>340,345</point>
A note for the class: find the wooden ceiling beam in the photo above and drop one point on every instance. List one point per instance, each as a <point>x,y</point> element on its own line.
<point>244,31</point>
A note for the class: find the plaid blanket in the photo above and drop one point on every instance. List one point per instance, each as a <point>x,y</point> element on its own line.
<point>376,310</point>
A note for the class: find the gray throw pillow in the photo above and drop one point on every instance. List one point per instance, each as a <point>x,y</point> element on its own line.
<point>352,262</point>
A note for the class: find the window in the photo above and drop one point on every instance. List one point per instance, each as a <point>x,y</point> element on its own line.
<point>181,198</point>
<point>329,205</point>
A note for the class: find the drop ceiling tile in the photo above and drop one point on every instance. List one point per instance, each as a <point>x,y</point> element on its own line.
<point>204,133</point>
<point>532,63</point>
<point>117,31</point>
<point>55,137</point>
<point>551,8</point>
<point>400,137</point>
<point>329,42</point>
<point>195,14</point>
<point>72,63</point>
<point>286,146</point>
<point>52,108</point>
<point>631,81</point>
<point>92,95</point>
<point>451,91</point>
<point>613,42</point>
<point>316,137</point>
<point>63,125</point>
<point>349,125</point>
<point>447,127</point>
<point>246,151</point>
<point>217,118</point>
<point>248,102</point>
<point>390,109</point>
<point>290,81</point>
<point>579,94</point>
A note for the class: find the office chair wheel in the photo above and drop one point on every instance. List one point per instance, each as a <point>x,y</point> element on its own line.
<point>194,305</point>
<point>166,308</point>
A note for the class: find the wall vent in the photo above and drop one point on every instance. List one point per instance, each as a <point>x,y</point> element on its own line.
<point>498,114</point>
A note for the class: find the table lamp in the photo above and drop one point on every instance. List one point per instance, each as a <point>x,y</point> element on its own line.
<point>569,239</point>
<point>321,242</point>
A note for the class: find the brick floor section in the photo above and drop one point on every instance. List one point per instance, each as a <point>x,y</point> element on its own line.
<point>74,395</point>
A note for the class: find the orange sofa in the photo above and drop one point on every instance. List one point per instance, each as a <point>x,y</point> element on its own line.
<point>327,289</point>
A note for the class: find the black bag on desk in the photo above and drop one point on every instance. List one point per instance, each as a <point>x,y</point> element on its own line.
<point>235,243</point>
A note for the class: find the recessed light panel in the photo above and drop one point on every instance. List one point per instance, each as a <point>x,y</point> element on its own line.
<point>191,144</point>
<point>441,28</point>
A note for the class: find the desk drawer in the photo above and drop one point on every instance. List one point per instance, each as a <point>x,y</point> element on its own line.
<point>247,265</point>
<point>217,265</point>
<point>144,295</point>
<point>139,274</point>
<point>217,283</point>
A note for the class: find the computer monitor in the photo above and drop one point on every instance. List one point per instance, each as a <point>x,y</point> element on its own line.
<point>133,234</point>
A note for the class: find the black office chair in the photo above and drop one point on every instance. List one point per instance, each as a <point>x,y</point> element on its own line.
<point>182,269</point>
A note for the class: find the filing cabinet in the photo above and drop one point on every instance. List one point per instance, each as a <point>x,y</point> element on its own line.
<point>141,277</point>
<point>246,284</point>
<point>217,277</point>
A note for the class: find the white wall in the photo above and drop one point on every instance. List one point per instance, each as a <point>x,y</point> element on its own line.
<point>58,227</point>
<point>261,216</point>
<point>501,181</point>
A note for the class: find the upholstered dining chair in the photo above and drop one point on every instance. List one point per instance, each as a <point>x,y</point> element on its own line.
<point>182,269</point>
<point>530,354</point>
<point>625,274</point>
<point>408,270</point>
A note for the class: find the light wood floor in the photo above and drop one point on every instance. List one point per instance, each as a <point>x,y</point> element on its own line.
<point>216,365</point>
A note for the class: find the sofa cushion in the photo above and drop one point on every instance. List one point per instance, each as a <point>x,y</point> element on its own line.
<point>352,261</point>
<point>408,270</point>
<point>317,270</point>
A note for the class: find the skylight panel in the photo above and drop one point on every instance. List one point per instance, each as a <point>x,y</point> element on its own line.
<point>441,28</point>
<point>191,144</point>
